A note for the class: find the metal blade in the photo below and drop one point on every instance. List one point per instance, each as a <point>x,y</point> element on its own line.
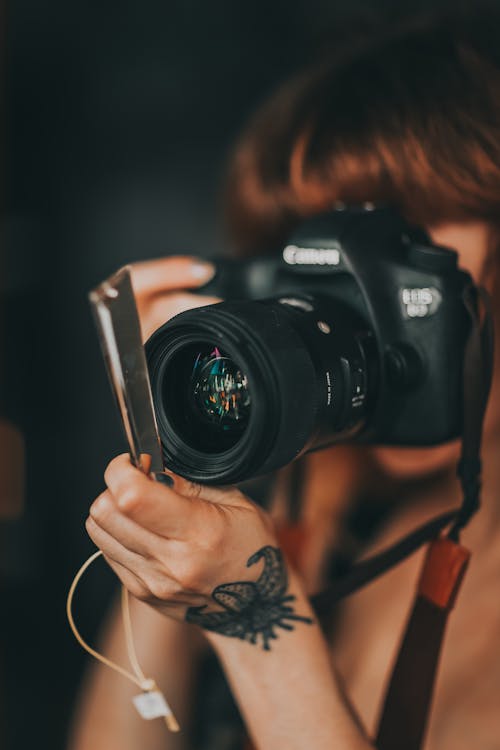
<point>115,314</point>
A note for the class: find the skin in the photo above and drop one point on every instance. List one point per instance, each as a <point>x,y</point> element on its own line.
<point>172,546</point>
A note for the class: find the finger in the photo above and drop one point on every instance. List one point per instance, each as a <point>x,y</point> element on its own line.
<point>155,311</point>
<point>176,272</point>
<point>129,534</point>
<point>123,479</point>
<point>131,582</point>
<point>145,460</point>
<point>174,513</point>
<point>150,504</point>
<point>169,596</point>
<point>112,548</point>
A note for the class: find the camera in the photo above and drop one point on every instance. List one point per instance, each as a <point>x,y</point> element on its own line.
<point>353,332</point>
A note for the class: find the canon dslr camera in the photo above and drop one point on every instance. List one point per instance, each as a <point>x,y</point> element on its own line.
<point>355,331</point>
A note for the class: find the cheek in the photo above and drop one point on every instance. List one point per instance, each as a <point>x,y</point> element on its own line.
<point>405,463</point>
<point>471,241</point>
<point>474,263</point>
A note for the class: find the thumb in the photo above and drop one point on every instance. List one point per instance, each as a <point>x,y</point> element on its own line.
<point>152,277</point>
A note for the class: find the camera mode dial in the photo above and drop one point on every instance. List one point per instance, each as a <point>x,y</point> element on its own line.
<point>432,258</point>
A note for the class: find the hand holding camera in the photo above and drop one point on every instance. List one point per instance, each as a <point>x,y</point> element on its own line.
<point>172,547</point>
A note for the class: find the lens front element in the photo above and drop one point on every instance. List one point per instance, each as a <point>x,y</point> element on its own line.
<point>220,390</point>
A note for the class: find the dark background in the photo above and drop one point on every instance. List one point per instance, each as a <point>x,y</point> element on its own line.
<point>119,120</point>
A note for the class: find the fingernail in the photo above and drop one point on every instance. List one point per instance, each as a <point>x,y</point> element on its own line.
<point>202,270</point>
<point>165,479</point>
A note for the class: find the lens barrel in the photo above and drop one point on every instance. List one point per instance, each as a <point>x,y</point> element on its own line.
<point>241,388</point>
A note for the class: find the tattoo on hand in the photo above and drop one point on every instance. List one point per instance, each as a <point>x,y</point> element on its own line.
<point>252,609</point>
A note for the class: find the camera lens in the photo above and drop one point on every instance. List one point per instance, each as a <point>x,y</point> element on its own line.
<point>220,390</point>
<point>241,388</point>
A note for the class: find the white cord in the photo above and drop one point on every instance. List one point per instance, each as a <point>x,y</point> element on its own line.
<point>147,685</point>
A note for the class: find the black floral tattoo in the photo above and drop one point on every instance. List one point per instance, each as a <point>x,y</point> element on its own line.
<point>252,609</point>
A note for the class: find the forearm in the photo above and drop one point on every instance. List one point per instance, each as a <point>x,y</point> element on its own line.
<point>105,716</point>
<point>289,696</point>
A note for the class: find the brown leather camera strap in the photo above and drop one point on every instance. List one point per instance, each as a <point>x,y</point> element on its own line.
<point>408,699</point>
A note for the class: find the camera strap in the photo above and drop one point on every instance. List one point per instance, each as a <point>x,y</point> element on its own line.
<point>408,699</point>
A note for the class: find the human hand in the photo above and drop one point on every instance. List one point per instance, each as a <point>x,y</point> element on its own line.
<point>159,288</point>
<point>204,554</point>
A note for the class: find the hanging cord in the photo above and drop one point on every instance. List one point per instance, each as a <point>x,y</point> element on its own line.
<point>477,377</point>
<point>147,685</point>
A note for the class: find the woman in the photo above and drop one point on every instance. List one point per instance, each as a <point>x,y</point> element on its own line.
<point>413,122</point>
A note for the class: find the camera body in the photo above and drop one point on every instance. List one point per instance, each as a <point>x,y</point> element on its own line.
<point>359,324</point>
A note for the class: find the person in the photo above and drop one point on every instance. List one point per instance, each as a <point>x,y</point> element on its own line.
<point>411,121</point>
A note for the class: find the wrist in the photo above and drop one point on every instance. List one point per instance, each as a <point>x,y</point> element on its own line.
<point>275,617</point>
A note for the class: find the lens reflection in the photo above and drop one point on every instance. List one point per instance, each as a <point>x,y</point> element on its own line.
<point>220,390</point>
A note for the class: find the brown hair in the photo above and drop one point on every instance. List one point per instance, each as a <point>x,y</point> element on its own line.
<point>412,121</point>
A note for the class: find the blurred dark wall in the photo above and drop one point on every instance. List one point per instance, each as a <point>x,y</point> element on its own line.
<point>119,120</point>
